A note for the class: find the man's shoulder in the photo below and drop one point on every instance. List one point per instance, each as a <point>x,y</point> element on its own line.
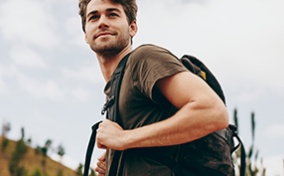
<point>147,52</point>
<point>147,48</point>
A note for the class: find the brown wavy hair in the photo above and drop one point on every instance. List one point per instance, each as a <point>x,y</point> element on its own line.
<point>129,6</point>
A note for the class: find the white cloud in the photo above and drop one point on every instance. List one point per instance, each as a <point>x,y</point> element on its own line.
<point>3,85</point>
<point>274,165</point>
<point>47,89</point>
<point>238,39</point>
<point>74,30</point>
<point>89,73</point>
<point>249,96</point>
<point>27,22</point>
<point>275,131</point>
<point>24,56</point>
<point>80,95</point>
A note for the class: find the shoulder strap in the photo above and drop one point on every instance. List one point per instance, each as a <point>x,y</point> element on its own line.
<point>111,114</point>
<point>234,132</point>
<point>92,142</point>
<point>113,109</point>
<point>114,90</point>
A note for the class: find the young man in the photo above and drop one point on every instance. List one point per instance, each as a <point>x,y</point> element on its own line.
<point>164,108</point>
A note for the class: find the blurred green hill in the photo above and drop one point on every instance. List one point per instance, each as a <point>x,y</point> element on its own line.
<point>19,159</point>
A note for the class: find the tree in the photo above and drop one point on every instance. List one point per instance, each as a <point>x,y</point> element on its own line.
<point>22,133</point>
<point>46,147</point>
<point>60,151</point>
<point>44,151</point>
<point>6,128</point>
<point>14,165</point>
<point>4,144</point>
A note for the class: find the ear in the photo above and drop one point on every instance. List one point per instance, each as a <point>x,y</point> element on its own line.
<point>133,28</point>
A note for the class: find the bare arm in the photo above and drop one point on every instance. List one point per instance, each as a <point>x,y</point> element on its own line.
<point>200,113</point>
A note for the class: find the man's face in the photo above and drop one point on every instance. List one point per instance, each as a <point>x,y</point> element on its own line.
<point>107,28</point>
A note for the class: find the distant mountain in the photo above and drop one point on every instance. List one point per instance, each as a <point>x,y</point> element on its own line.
<point>29,161</point>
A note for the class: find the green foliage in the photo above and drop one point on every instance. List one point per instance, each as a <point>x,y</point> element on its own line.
<point>21,148</point>
<point>19,159</point>
<point>236,118</point>
<point>4,144</point>
<point>22,133</point>
<point>14,168</point>
<point>46,147</point>
<point>60,173</point>
<point>60,150</point>
<point>37,173</point>
<point>38,150</point>
<point>6,128</point>
<point>252,155</point>
<point>29,141</point>
<point>79,170</point>
<point>93,173</point>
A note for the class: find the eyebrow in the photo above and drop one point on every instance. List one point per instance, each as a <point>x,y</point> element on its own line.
<point>107,10</point>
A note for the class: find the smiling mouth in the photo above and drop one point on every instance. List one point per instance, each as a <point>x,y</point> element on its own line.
<point>103,34</point>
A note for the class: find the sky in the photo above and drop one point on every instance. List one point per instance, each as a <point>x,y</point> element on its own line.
<point>51,84</point>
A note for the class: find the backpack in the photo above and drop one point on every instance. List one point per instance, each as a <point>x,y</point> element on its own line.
<point>111,107</point>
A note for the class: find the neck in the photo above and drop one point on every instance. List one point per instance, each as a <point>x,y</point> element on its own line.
<point>109,62</point>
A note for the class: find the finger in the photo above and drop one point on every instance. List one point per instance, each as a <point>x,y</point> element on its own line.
<point>101,146</point>
<point>101,165</point>
<point>100,171</point>
<point>102,157</point>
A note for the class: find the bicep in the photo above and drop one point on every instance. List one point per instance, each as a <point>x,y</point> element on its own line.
<point>185,87</point>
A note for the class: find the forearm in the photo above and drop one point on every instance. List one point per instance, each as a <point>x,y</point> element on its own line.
<point>189,123</point>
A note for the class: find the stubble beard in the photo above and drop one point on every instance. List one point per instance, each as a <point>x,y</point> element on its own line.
<point>110,47</point>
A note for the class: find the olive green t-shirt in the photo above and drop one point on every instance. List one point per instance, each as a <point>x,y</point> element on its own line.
<point>140,103</point>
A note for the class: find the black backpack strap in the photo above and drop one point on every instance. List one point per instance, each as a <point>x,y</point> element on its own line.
<point>112,108</point>
<point>234,132</point>
<point>116,79</point>
<point>243,157</point>
<point>90,148</point>
<point>112,114</point>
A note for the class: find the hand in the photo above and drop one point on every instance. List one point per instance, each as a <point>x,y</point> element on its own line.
<point>110,136</point>
<point>101,165</point>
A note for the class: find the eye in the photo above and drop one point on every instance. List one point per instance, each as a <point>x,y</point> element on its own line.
<point>93,17</point>
<point>113,15</point>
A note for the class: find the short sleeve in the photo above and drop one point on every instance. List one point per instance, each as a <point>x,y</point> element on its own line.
<point>150,64</point>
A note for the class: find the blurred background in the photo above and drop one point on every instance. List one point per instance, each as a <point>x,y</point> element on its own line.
<point>51,84</point>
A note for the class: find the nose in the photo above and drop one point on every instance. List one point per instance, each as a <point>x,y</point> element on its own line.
<point>103,22</point>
